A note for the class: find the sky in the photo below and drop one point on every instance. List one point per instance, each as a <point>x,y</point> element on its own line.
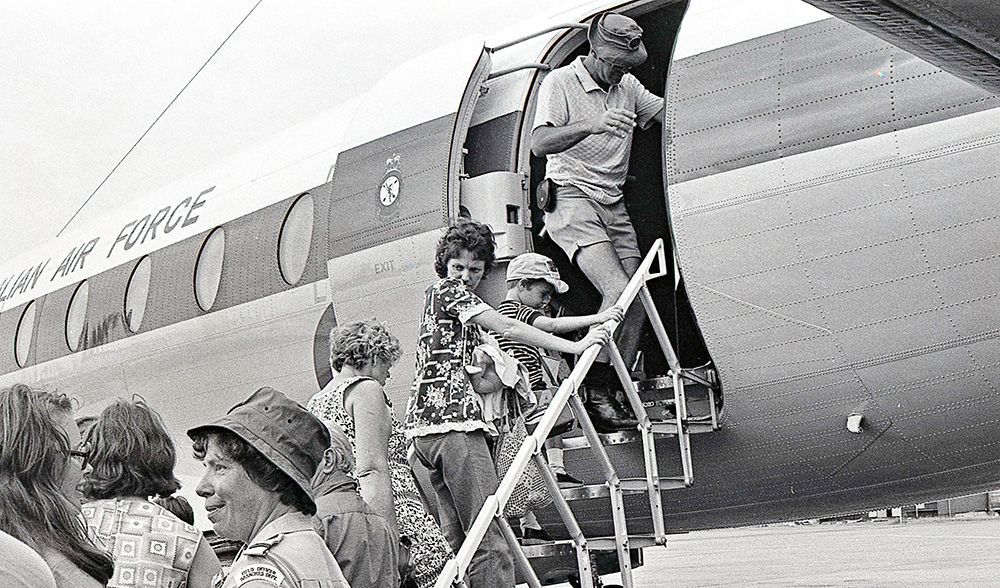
<point>83,80</point>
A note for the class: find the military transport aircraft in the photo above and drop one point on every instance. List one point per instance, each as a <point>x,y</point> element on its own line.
<point>825,181</point>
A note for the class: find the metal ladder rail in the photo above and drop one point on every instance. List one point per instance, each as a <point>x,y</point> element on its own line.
<point>680,399</point>
<point>454,571</point>
<point>648,444</point>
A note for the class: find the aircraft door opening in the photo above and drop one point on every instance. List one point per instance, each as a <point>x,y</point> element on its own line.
<point>645,193</point>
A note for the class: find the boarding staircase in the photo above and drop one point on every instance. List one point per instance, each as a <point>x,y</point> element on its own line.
<point>614,487</point>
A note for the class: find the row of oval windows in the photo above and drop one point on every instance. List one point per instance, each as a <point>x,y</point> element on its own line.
<point>293,251</point>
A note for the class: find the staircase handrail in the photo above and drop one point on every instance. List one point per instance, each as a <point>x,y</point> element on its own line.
<point>496,502</point>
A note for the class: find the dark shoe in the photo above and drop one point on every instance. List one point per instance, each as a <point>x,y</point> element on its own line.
<point>606,415</point>
<point>531,536</point>
<point>567,481</point>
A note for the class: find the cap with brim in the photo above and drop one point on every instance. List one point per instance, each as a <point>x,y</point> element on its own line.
<point>286,434</point>
<point>560,286</point>
<point>617,39</point>
<point>534,266</point>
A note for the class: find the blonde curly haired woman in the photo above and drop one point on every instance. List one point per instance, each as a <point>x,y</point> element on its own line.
<point>362,354</point>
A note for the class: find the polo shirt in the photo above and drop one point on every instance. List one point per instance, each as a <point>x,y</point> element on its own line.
<point>598,164</point>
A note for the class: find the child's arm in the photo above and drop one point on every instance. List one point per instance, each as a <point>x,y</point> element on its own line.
<point>568,324</point>
<point>515,330</point>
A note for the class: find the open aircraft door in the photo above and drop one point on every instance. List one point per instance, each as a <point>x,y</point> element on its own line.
<point>398,173</point>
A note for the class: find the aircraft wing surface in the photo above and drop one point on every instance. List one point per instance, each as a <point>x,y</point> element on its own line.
<point>959,36</point>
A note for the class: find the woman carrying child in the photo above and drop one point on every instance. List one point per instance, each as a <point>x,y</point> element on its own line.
<point>444,418</point>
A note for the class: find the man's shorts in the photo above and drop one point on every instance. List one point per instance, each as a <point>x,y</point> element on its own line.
<point>579,221</point>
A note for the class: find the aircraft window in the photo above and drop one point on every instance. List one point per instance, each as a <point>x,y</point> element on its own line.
<point>295,238</point>
<point>22,341</point>
<point>76,316</point>
<point>136,293</point>
<point>208,271</point>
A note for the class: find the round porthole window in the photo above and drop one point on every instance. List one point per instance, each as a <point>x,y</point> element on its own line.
<point>295,239</point>
<point>136,294</point>
<point>76,316</point>
<point>208,271</point>
<point>22,340</point>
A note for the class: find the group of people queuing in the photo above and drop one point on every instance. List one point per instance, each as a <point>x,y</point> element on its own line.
<point>325,495</point>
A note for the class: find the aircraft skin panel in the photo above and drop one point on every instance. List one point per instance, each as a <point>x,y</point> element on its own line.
<point>250,271</point>
<point>9,321</point>
<point>192,371</point>
<point>50,325</point>
<point>863,316</point>
<point>958,35</point>
<point>418,156</point>
<point>387,282</point>
<point>816,85</point>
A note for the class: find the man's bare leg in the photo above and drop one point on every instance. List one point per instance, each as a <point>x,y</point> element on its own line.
<point>610,276</point>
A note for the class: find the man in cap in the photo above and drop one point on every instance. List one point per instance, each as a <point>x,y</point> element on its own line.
<point>360,539</point>
<point>259,459</point>
<point>585,118</point>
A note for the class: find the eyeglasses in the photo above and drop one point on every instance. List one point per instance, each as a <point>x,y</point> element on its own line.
<point>612,63</point>
<point>83,453</point>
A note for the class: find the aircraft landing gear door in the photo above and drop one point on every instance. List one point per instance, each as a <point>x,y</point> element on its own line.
<point>397,175</point>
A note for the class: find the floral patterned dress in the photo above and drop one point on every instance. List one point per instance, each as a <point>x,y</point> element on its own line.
<point>429,551</point>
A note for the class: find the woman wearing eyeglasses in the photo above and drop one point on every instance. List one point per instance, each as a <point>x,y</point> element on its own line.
<point>41,466</point>
<point>133,459</point>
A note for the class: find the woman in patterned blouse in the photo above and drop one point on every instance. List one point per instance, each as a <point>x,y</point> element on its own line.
<point>133,458</point>
<point>444,417</point>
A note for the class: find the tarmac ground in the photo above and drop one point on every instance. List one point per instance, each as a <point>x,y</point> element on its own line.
<point>917,552</point>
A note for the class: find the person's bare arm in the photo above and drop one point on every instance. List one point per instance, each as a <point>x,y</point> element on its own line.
<point>365,402</point>
<point>568,324</point>
<point>204,566</point>
<point>515,330</point>
<point>547,139</point>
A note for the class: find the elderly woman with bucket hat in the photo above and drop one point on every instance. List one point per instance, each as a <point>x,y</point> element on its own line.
<point>584,122</point>
<point>259,462</point>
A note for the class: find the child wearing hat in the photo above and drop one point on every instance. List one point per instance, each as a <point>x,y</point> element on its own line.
<point>532,280</point>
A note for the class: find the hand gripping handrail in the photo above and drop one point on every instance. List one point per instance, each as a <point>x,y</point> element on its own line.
<point>454,571</point>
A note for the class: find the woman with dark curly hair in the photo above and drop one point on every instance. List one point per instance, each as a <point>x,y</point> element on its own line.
<point>444,416</point>
<point>42,461</point>
<point>362,353</point>
<point>133,459</point>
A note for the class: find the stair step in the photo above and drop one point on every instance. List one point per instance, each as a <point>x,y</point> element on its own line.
<point>657,396</point>
<point>619,438</point>
<point>634,541</point>
<point>590,491</point>
<point>555,562</point>
<point>694,427</point>
<point>566,547</point>
<point>667,382</point>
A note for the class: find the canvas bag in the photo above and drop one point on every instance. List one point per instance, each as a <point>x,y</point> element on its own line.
<point>530,492</point>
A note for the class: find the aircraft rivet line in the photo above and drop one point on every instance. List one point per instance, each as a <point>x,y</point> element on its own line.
<point>823,138</point>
